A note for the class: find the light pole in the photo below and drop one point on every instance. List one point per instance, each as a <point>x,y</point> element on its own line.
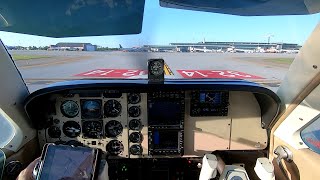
<point>269,37</point>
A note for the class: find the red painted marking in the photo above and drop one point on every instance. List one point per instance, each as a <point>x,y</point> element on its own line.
<point>192,74</point>
<point>113,73</point>
<point>313,142</point>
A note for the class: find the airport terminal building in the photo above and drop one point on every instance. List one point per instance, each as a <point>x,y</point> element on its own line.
<point>225,47</point>
<point>73,47</point>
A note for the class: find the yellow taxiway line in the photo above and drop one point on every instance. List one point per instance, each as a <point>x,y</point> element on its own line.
<point>167,70</point>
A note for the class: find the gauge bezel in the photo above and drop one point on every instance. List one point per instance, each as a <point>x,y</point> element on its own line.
<point>112,115</point>
<point>63,129</point>
<point>98,116</point>
<point>134,94</point>
<point>138,140</point>
<point>136,145</point>
<point>135,129</point>
<point>138,107</point>
<point>57,128</point>
<point>64,113</point>
<point>119,151</point>
<point>107,133</point>
<point>85,134</point>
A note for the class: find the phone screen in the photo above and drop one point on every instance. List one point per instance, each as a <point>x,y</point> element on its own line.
<point>66,162</point>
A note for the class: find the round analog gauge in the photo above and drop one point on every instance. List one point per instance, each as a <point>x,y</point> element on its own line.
<point>91,109</point>
<point>92,129</point>
<point>134,111</point>
<point>134,98</point>
<point>54,132</point>
<point>115,147</point>
<point>136,149</point>
<point>136,137</point>
<point>13,168</point>
<point>135,124</point>
<point>71,129</point>
<point>69,108</point>
<point>113,128</point>
<point>112,108</point>
<point>156,68</point>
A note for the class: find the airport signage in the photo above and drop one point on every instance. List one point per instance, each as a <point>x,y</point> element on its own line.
<point>188,74</point>
<point>113,73</point>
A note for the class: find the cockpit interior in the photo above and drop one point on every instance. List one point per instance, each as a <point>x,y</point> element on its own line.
<point>174,123</point>
<point>85,110</point>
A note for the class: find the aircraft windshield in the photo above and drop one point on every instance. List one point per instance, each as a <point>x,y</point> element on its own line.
<point>193,44</point>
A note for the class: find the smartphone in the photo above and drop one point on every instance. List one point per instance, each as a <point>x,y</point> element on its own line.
<point>62,162</point>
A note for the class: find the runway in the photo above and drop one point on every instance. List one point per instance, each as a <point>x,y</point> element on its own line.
<point>67,65</point>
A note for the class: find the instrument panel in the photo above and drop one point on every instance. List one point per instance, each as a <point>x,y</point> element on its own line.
<point>152,123</point>
<point>121,124</point>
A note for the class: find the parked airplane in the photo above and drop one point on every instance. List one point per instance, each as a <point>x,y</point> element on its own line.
<point>293,51</point>
<point>235,50</point>
<point>193,49</point>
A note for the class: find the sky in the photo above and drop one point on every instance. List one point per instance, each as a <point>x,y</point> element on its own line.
<point>162,26</point>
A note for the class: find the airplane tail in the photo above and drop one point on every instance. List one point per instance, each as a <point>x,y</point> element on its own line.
<point>120,46</point>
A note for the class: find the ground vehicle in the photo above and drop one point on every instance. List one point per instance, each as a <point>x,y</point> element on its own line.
<point>298,95</point>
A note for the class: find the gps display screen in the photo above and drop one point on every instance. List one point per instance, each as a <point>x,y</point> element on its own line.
<point>164,113</point>
<point>165,139</point>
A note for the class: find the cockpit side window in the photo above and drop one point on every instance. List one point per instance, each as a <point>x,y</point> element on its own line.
<point>7,130</point>
<point>311,135</point>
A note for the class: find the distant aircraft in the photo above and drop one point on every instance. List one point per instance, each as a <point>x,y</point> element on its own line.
<point>220,51</point>
<point>192,49</point>
<point>272,50</point>
<point>235,50</point>
<point>243,51</point>
<point>293,51</point>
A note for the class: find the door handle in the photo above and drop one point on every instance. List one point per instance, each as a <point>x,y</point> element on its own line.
<point>283,153</point>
